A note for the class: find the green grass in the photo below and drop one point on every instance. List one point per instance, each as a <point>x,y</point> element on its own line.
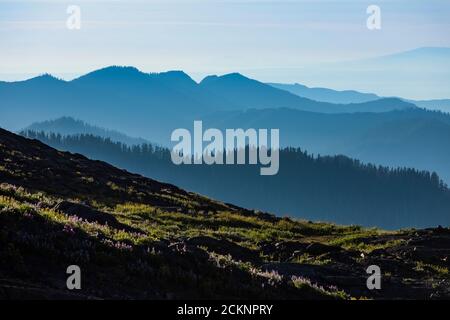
<point>358,241</point>
<point>131,254</point>
<point>421,266</point>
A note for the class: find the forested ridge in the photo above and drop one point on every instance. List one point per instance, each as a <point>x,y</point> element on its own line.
<point>337,188</point>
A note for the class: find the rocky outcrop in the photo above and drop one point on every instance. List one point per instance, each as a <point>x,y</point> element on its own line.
<point>224,247</point>
<point>91,215</point>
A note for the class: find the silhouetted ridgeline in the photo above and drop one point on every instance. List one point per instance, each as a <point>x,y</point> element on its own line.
<point>386,131</point>
<point>71,126</point>
<point>336,189</point>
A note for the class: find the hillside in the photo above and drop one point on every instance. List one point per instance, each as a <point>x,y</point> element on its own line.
<point>135,237</point>
<point>336,189</point>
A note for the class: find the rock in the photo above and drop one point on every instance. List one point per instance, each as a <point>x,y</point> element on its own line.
<point>316,273</point>
<point>89,214</point>
<point>344,256</point>
<point>291,269</point>
<point>196,254</point>
<point>42,205</point>
<point>224,247</point>
<point>283,250</point>
<point>159,247</point>
<point>291,246</point>
<point>317,248</point>
<point>18,290</point>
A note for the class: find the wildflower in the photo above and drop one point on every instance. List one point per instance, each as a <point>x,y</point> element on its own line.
<point>68,229</point>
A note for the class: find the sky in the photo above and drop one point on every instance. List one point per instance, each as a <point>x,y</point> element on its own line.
<point>209,36</point>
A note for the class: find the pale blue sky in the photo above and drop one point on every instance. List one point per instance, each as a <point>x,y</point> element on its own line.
<point>209,36</point>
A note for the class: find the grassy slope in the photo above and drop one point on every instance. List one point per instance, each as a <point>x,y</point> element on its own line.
<point>138,238</point>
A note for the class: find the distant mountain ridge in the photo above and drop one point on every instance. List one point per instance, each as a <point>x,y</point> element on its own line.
<point>70,126</point>
<point>404,138</point>
<point>352,96</point>
<point>110,90</point>
<point>254,94</point>
<point>327,95</point>
<point>152,105</point>
<point>419,74</point>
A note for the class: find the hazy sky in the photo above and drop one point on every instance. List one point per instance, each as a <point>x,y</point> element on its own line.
<point>209,36</point>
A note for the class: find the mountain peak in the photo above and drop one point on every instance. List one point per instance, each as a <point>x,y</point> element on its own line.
<point>209,79</point>
<point>432,50</point>
<point>234,77</point>
<point>114,72</point>
<point>422,55</point>
<point>118,69</point>
<point>176,75</point>
<point>45,78</point>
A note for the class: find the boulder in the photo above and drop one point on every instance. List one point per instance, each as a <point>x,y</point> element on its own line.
<point>224,247</point>
<point>89,214</point>
<point>283,250</point>
<point>317,248</point>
